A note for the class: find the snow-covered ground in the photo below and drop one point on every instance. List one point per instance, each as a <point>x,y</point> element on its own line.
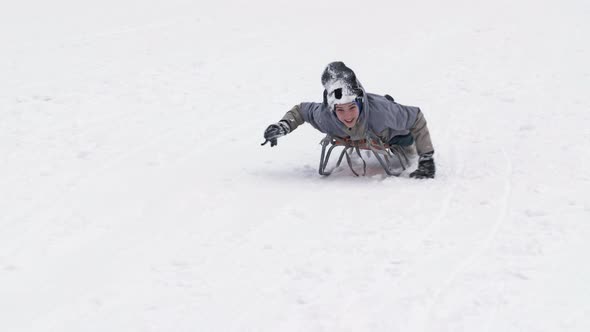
<point>135,195</point>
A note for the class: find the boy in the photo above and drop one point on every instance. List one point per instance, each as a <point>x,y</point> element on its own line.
<point>349,112</point>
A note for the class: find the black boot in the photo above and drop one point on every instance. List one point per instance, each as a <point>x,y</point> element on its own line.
<point>426,168</point>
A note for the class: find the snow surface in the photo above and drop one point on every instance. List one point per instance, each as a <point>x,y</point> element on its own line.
<point>135,195</point>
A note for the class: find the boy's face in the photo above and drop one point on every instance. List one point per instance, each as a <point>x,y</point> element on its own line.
<point>347,113</point>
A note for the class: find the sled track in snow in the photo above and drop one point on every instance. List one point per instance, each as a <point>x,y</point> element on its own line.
<point>444,209</point>
<point>464,265</point>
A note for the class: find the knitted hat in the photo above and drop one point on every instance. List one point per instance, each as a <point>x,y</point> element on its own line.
<point>340,85</point>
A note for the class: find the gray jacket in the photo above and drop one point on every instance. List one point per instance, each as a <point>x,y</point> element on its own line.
<point>379,115</point>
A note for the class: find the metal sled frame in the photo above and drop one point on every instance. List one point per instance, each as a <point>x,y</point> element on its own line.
<point>384,153</point>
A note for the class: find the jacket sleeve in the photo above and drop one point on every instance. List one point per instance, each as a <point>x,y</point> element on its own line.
<point>304,112</point>
<point>293,117</point>
<point>421,135</point>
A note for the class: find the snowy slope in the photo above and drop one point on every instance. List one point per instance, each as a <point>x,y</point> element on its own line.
<point>135,196</point>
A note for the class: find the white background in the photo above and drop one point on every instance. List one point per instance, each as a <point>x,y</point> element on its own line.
<point>135,195</point>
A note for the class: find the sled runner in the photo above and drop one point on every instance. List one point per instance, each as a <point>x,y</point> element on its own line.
<point>384,153</point>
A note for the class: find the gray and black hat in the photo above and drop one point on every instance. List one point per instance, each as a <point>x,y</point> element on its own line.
<point>340,85</point>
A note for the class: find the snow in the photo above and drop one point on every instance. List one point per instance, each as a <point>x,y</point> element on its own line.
<point>135,195</point>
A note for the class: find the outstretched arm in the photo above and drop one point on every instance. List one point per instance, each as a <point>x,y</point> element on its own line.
<point>290,121</point>
<point>294,117</point>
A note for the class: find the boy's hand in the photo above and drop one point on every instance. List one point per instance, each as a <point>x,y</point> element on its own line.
<point>275,131</point>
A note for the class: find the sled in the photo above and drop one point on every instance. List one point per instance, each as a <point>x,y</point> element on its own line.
<point>383,152</point>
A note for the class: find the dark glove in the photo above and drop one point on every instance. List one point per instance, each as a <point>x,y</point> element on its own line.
<point>426,168</point>
<point>275,131</point>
